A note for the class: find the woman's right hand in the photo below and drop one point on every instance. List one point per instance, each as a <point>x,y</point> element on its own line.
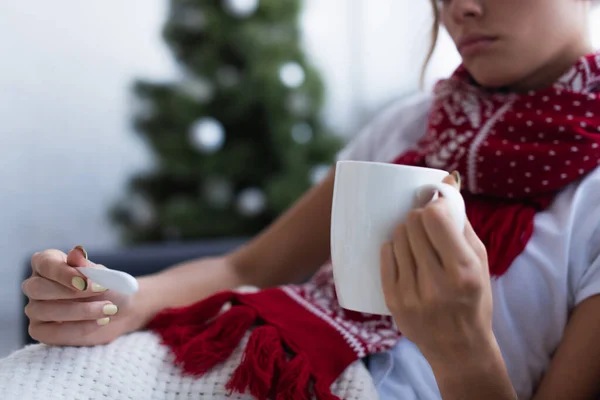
<point>67,309</point>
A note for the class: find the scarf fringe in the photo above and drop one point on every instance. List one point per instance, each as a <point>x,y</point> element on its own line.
<point>258,367</point>
<point>295,380</point>
<point>298,383</point>
<point>217,342</point>
<point>200,341</point>
<point>266,372</point>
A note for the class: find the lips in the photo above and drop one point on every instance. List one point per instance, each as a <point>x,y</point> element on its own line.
<point>470,44</point>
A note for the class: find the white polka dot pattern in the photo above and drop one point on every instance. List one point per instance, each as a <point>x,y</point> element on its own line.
<point>551,134</point>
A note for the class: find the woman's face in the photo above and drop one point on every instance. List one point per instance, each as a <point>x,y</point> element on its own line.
<point>521,44</point>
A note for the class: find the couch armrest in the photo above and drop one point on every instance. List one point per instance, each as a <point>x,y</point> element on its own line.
<point>148,259</point>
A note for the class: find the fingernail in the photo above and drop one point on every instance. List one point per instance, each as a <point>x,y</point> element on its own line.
<point>97,288</point>
<point>456,176</point>
<point>103,321</point>
<point>79,283</point>
<point>85,254</point>
<point>110,309</point>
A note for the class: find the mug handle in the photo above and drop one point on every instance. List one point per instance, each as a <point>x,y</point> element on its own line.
<point>452,196</point>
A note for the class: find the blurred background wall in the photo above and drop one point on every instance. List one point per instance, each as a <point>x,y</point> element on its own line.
<point>67,148</point>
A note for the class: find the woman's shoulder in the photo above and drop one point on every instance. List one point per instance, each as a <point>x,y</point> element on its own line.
<point>393,130</point>
<point>584,236</point>
<point>587,191</point>
<point>577,210</point>
<point>581,200</point>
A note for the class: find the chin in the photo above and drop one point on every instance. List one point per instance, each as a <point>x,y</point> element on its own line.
<point>492,74</point>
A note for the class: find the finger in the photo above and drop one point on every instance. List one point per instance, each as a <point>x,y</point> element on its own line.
<point>449,243</point>
<point>428,264</point>
<point>389,269</point>
<point>40,288</point>
<point>52,265</point>
<point>454,180</point>
<point>405,261</point>
<point>61,311</point>
<point>77,257</point>
<point>80,333</point>
<point>475,242</point>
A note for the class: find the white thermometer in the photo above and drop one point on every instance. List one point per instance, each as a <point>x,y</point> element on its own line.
<point>111,279</point>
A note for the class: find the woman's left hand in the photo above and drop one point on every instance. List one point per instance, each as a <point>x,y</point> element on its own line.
<point>437,285</point>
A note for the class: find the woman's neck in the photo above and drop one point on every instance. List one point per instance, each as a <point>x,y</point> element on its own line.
<point>552,71</point>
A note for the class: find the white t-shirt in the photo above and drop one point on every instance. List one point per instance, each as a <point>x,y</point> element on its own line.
<point>559,268</point>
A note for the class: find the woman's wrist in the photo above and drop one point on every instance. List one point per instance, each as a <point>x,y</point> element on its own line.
<point>478,373</point>
<point>147,302</point>
<point>180,286</point>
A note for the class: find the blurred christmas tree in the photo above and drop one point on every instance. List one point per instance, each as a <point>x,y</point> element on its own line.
<point>239,138</point>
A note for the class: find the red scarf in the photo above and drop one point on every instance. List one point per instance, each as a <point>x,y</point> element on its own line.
<point>515,152</point>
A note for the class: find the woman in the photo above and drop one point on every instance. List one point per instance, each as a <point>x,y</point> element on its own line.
<point>520,122</point>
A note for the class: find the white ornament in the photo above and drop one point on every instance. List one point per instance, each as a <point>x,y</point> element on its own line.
<point>302,133</point>
<point>251,202</point>
<point>218,192</point>
<point>228,76</point>
<point>292,75</point>
<point>318,173</point>
<point>241,8</point>
<point>207,135</point>
<point>199,89</point>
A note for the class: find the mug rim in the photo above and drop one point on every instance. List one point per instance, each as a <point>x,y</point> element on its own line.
<point>389,164</point>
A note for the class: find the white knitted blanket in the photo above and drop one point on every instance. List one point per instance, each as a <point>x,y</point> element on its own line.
<point>133,367</point>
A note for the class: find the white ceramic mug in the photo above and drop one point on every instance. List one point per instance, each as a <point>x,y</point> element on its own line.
<point>369,201</point>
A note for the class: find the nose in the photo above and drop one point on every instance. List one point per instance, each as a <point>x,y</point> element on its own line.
<point>462,10</point>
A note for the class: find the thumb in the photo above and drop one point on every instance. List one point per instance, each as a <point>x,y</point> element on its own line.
<point>424,197</point>
<point>78,257</point>
<point>453,179</point>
